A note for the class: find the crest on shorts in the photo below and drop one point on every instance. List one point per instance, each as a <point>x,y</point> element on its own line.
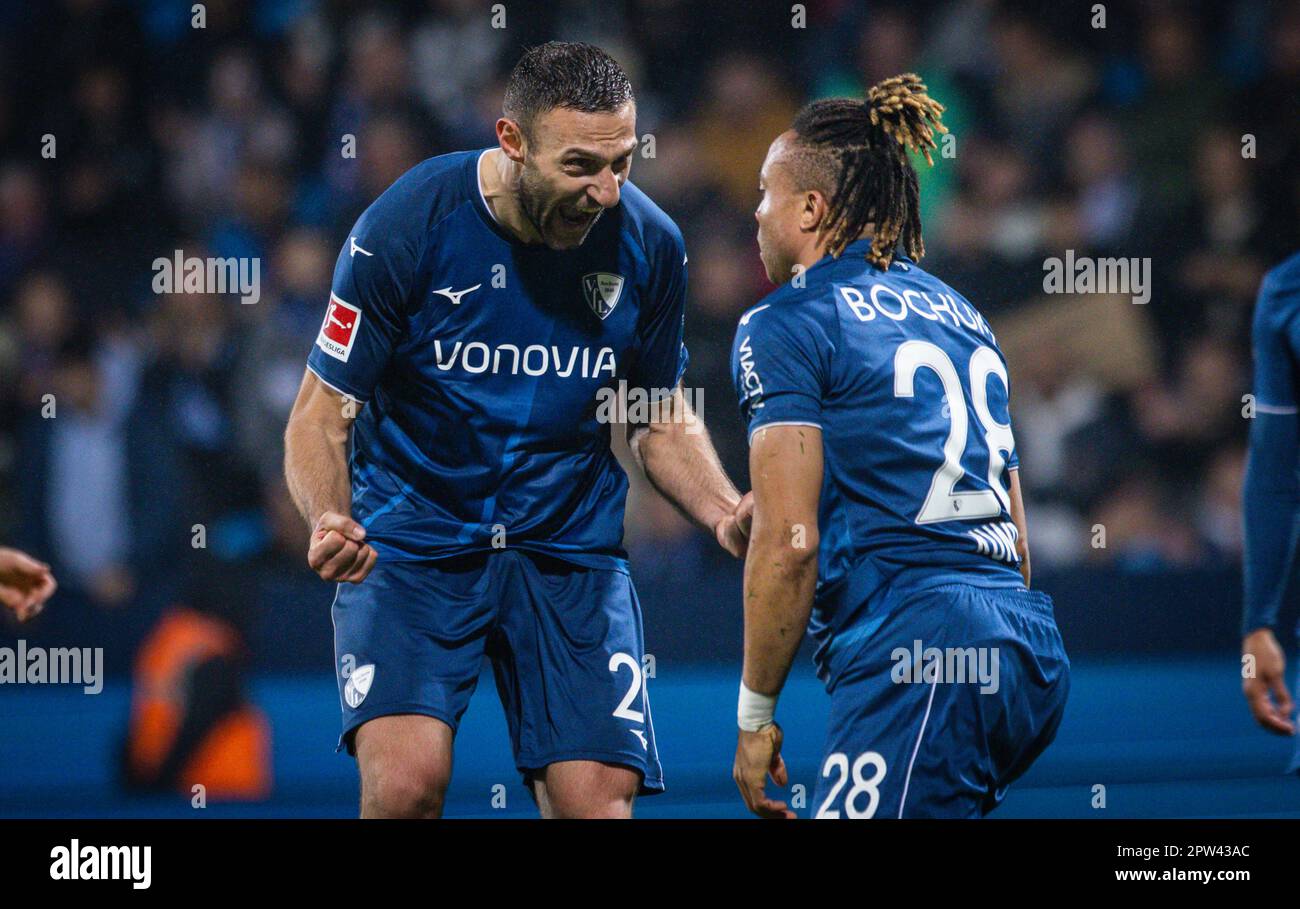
<point>358,686</point>
<point>602,291</point>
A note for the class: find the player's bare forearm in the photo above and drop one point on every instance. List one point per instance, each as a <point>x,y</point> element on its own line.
<point>678,458</point>
<point>1022,524</point>
<point>779,584</point>
<point>785,463</point>
<point>316,470</point>
<point>315,451</point>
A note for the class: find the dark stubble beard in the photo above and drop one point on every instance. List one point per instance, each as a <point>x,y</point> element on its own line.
<point>531,195</point>
<point>532,203</point>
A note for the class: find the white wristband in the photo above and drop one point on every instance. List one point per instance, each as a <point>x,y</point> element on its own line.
<point>754,710</point>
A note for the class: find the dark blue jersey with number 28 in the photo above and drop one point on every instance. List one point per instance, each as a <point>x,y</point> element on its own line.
<point>907,384</point>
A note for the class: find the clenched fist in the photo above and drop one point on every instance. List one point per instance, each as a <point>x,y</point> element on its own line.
<point>25,584</point>
<point>732,532</point>
<point>338,550</point>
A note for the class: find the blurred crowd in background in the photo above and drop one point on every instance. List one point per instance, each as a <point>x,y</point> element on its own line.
<point>230,140</point>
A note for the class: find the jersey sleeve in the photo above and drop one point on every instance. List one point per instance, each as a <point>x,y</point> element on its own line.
<point>661,353</point>
<point>1271,488</point>
<point>1273,336</point>
<point>366,314</point>
<point>780,366</point>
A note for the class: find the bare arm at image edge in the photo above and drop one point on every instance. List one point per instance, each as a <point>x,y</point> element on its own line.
<point>1022,526</point>
<point>316,470</point>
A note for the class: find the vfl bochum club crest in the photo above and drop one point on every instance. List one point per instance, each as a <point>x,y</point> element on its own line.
<point>602,291</point>
<point>358,686</point>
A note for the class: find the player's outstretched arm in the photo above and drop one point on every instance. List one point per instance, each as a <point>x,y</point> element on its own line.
<point>1271,499</point>
<point>785,464</point>
<point>1271,507</point>
<point>316,469</point>
<point>25,583</point>
<point>679,460</point>
<point>1021,522</point>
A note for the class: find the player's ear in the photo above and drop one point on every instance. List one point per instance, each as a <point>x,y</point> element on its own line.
<point>511,137</point>
<point>813,213</point>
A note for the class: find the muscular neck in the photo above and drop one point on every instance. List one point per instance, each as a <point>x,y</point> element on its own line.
<point>815,248</point>
<point>811,255</point>
<point>498,177</point>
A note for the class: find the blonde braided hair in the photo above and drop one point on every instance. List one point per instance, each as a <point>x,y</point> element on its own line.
<point>862,147</point>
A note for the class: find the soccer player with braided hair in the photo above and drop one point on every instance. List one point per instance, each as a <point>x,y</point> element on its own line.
<point>888,520</point>
<point>870,178</point>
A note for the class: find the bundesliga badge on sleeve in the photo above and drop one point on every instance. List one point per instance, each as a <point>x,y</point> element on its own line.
<point>339,331</point>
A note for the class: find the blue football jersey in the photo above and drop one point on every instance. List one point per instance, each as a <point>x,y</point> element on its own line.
<point>907,384</point>
<point>1271,488</point>
<point>480,362</point>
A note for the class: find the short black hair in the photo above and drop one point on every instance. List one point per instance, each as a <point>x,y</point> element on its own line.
<point>566,74</point>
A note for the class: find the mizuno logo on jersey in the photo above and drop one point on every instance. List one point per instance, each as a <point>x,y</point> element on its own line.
<point>339,331</point>
<point>533,360</point>
<point>997,541</point>
<point>455,295</point>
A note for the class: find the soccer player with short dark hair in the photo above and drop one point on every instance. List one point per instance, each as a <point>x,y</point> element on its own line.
<point>1271,496</point>
<point>480,309</point>
<point>887,516</point>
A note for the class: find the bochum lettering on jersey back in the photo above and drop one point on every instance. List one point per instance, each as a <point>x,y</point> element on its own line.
<point>479,360</point>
